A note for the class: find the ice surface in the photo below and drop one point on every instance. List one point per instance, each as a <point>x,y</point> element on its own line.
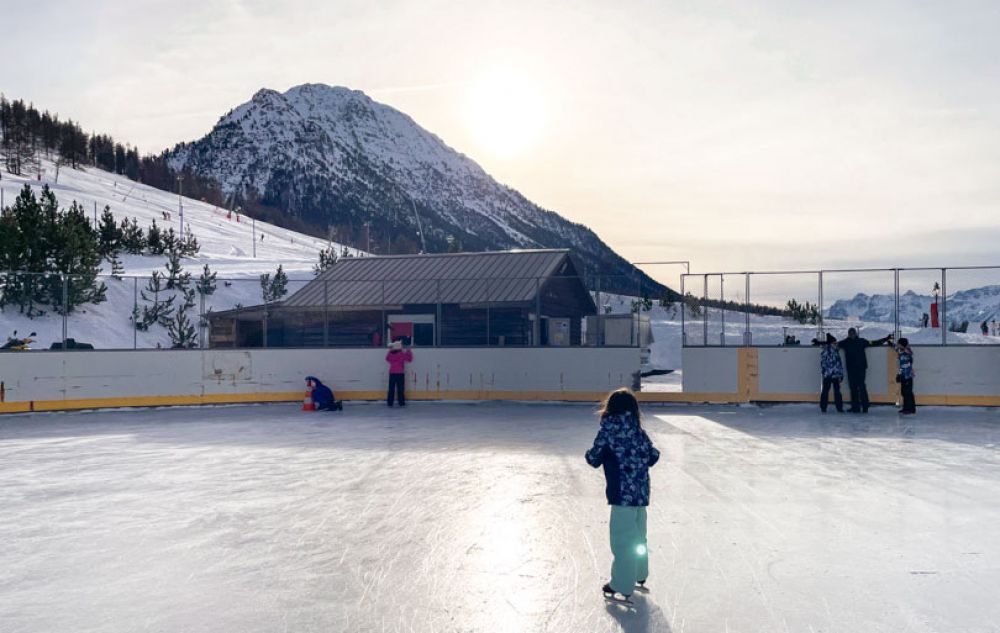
<point>484,517</point>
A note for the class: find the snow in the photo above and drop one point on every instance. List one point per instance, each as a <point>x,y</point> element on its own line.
<point>227,246</point>
<point>484,517</point>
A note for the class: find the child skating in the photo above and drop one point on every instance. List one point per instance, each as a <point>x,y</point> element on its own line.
<point>626,453</point>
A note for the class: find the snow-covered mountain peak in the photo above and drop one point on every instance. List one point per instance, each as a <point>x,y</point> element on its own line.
<point>332,156</point>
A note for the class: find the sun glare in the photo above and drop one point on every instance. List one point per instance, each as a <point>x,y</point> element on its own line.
<point>505,114</point>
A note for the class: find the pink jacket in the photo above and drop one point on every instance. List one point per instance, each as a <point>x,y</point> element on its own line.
<point>397,361</point>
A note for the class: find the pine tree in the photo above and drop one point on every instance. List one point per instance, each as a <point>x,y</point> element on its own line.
<point>109,234</point>
<point>189,246</point>
<point>117,269</point>
<point>327,258</point>
<point>175,271</point>
<point>181,332</point>
<point>206,282</point>
<point>158,311</point>
<point>274,289</point>
<point>169,240</point>
<point>154,240</point>
<point>133,241</point>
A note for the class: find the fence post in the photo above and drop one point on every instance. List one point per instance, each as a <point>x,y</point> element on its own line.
<point>486,282</point>
<point>704,313</point>
<point>749,334</point>
<point>895,282</point>
<point>819,330</point>
<point>944,306</point>
<point>538,310</point>
<point>600,314</point>
<point>722,300</point>
<point>135,312</point>
<point>684,334</point>
<point>65,310</point>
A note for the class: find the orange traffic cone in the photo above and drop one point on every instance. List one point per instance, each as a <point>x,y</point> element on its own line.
<point>307,403</point>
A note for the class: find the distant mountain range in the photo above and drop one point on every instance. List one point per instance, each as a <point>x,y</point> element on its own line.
<point>333,157</point>
<point>975,306</point>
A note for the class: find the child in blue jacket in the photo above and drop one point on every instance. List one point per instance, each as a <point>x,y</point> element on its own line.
<point>626,453</point>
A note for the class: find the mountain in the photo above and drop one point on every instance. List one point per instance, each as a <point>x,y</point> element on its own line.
<point>975,306</point>
<point>333,157</point>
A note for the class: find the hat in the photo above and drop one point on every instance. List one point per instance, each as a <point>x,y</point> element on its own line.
<point>830,338</point>
<point>397,345</point>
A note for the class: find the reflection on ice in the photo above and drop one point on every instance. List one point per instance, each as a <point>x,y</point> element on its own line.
<point>451,517</point>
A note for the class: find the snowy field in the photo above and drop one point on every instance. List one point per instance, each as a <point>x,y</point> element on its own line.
<point>484,517</point>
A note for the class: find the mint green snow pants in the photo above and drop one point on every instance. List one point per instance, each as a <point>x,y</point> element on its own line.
<point>628,545</point>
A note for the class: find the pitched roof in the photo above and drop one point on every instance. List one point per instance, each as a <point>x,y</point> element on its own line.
<point>498,277</point>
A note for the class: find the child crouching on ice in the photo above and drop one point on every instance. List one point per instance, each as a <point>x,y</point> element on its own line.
<point>626,453</point>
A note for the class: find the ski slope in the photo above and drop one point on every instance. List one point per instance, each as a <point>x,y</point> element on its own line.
<point>485,518</point>
<point>227,246</point>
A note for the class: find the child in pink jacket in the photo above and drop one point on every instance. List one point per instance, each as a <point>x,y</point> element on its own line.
<point>397,358</point>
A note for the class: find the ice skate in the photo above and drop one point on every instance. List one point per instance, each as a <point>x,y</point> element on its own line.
<point>614,596</point>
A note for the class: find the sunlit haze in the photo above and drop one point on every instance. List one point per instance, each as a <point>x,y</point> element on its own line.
<point>735,135</point>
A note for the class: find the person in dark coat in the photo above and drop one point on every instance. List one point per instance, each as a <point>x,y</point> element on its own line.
<point>323,396</point>
<point>627,454</point>
<point>832,371</point>
<point>856,361</point>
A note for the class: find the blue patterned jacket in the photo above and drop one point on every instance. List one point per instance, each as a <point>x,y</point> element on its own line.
<point>626,453</point>
<point>905,370</point>
<point>829,362</point>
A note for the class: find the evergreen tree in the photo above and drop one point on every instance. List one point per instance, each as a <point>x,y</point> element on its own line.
<point>327,258</point>
<point>109,234</point>
<point>158,311</point>
<point>189,246</point>
<point>181,332</point>
<point>206,282</point>
<point>173,267</point>
<point>117,269</point>
<point>77,258</point>
<point>169,240</point>
<point>154,240</point>
<point>133,241</point>
<point>273,289</point>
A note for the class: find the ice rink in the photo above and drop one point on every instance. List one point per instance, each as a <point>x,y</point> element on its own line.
<point>485,517</point>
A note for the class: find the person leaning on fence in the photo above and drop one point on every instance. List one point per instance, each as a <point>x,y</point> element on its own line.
<point>832,371</point>
<point>856,360</point>
<point>627,454</point>
<point>397,358</point>
<point>904,376</point>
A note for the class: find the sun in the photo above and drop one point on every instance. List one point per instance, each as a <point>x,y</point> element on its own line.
<point>505,114</point>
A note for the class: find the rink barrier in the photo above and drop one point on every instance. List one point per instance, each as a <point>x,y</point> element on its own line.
<point>55,380</point>
<point>947,376</point>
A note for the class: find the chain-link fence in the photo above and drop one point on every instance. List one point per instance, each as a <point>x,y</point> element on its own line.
<point>928,306</point>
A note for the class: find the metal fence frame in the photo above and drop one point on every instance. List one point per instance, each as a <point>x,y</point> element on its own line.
<point>747,333</point>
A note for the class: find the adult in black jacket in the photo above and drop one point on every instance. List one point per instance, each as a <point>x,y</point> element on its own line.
<point>856,362</point>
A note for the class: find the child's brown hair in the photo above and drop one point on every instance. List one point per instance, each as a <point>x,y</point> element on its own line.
<point>620,401</point>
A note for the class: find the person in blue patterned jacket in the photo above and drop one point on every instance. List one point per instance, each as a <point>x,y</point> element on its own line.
<point>833,373</point>
<point>626,453</point>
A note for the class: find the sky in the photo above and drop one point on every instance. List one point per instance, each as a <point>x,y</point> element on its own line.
<point>737,135</point>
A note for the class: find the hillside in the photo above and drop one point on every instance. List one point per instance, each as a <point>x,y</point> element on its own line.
<point>227,246</point>
<point>331,156</point>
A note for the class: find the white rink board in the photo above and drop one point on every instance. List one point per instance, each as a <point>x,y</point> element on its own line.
<point>484,517</point>
<point>47,376</point>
